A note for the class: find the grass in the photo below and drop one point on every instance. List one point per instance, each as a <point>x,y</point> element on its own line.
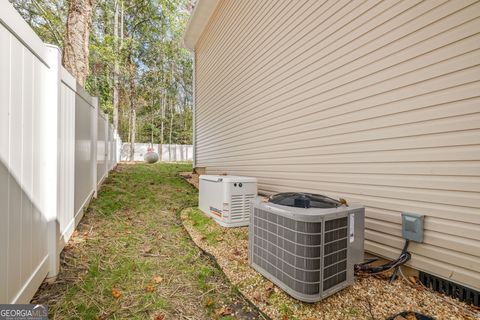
<point>208,228</point>
<point>131,258</point>
<point>204,225</point>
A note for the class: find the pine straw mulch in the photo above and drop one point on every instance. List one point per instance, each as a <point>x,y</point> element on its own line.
<point>369,297</point>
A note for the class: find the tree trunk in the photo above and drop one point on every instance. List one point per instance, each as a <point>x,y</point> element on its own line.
<point>132,107</point>
<point>184,129</point>
<point>75,50</point>
<point>133,132</point>
<point>171,129</point>
<point>152,124</point>
<point>172,103</point>
<point>116,70</point>
<point>162,117</point>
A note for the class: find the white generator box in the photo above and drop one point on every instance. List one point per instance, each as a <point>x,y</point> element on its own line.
<point>227,198</point>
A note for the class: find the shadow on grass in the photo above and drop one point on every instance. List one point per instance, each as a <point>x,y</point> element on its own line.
<point>130,257</point>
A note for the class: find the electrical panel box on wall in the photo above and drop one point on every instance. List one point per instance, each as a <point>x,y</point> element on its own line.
<point>412,226</point>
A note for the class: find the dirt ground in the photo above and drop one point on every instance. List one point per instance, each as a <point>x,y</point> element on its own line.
<point>368,298</point>
<point>130,257</point>
<point>191,178</point>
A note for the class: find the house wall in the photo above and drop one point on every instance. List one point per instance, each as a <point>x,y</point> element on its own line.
<point>375,102</point>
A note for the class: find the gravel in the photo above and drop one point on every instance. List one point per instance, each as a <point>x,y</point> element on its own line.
<point>371,297</point>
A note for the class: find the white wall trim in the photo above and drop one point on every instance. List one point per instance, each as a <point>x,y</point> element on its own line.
<point>198,21</point>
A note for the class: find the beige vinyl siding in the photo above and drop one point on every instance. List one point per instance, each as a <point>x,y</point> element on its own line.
<point>376,102</point>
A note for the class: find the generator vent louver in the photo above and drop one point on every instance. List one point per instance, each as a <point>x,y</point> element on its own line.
<point>240,206</point>
<point>307,252</point>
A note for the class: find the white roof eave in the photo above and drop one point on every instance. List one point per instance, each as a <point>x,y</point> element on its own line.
<point>198,21</point>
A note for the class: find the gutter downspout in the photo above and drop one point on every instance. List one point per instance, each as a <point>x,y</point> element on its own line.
<point>194,123</point>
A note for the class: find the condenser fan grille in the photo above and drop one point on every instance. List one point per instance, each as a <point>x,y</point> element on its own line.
<point>335,253</point>
<point>289,250</point>
<point>304,200</point>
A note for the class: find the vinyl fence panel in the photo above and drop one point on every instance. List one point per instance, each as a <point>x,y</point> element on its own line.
<point>118,148</point>
<point>181,152</point>
<point>48,157</point>
<point>85,148</point>
<point>111,147</point>
<point>166,152</point>
<point>66,165</point>
<point>23,155</point>
<point>102,146</point>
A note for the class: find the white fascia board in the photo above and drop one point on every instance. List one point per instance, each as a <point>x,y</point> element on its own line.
<point>198,21</point>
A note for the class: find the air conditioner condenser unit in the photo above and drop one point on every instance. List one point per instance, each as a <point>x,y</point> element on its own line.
<point>227,198</point>
<point>306,244</point>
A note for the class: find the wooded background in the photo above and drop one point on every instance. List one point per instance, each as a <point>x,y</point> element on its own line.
<point>136,65</point>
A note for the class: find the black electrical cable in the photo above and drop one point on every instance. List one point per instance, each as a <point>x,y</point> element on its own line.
<point>366,268</point>
<point>404,250</point>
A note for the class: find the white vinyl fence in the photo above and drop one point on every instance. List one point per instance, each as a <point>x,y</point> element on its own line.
<point>51,162</point>
<point>166,152</point>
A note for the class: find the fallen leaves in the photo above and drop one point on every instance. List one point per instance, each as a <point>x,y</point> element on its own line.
<point>157,279</point>
<point>116,293</point>
<point>411,316</point>
<point>269,288</point>
<point>209,303</point>
<point>263,295</point>
<point>150,288</point>
<point>148,252</point>
<point>407,316</point>
<point>159,316</point>
<point>224,311</point>
<point>257,296</point>
<point>236,252</point>
<point>147,249</point>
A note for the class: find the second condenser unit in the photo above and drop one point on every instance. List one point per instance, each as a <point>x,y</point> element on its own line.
<point>227,198</point>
